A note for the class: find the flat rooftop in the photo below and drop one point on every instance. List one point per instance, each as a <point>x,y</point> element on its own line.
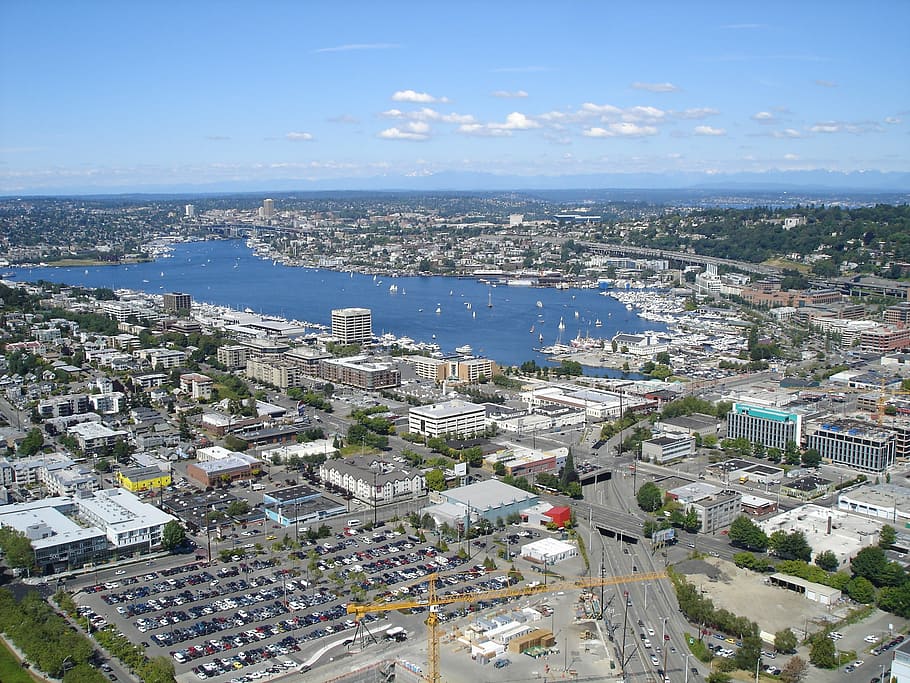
<point>849,533</point>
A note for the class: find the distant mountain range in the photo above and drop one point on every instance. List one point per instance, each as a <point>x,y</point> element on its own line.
<point>770,181</point>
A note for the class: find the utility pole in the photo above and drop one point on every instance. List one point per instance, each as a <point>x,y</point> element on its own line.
<point>625,621</point>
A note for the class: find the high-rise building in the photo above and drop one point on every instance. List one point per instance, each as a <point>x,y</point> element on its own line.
<point>177,301</point>
<point>769,427</point>
<point>852,443</point>
<point>268,208</point>
<point>189,211</point>
<point>352,325</point>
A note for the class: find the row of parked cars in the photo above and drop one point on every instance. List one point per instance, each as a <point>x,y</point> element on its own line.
<point>890,645</point>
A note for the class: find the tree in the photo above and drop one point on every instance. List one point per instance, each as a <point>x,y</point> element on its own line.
<point>870,563</point>
<point>811,458</point>
<point>649,497</point>
<point>173,535</point>
<point>792,546</point>
<point>718,677</point>
<point>568,474</point>
<point>747,534</point>
<point>690,521</point>
<point>887,536</point>
<point>436,480</point>
<point>32,443</point>
<point>827,560</point>
<point>785,641</point>
<point>822,652</point>
<point>749,652</point>
<point>861,590</point>
<point>17,548</point>
<point>795,670</point>
<point>237,508</point>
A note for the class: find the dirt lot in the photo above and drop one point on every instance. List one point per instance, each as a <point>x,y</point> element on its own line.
<point>744,593</point>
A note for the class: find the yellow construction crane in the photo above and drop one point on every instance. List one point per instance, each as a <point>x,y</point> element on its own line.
<point>433,601</point>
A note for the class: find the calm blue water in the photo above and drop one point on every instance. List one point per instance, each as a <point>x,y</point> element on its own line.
<point>227,273</point>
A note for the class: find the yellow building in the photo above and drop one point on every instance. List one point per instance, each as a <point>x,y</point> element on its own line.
<point>143,478</point>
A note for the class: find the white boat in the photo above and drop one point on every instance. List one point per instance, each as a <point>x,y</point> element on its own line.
<point>597,323</point>
<point>393,288</point>
<point>540,338</point>
<point>438,310</point>
<point>562,325</point>
<point>162,273</point>
<point>468,305</point>
<point>490,299</point>
<point>576,315</point>
<point>539,304</point>
<point>473,314</point>
<point>629,307</point>
<point>466,349</point>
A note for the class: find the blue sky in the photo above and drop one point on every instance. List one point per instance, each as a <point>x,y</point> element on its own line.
<point>131,95</point>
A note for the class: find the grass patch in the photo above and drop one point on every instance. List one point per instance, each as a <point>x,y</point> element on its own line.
<point>356,449</point>
<point>10,669</point>
<point>699,649</point>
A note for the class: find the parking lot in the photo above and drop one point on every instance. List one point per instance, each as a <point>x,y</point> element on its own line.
<point>264,614</point>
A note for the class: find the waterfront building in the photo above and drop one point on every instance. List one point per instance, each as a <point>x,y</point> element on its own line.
<point>174,302</point>
<point>352,325</point>
<point>361,372</point>
<point>307,358</point>
<point>596,404</point>
<point>464,370</point>
<point>852,443</point>
<point>372,481</point>
<point>452,417</point>
<point>767,426</point>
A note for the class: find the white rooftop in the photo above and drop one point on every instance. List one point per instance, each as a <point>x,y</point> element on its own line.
<point>547,546</point>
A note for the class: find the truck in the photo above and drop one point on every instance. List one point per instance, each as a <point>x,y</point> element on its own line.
<point>257,487</point>
<point>396,633</point>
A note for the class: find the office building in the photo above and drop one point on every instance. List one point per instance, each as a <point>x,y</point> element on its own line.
<point>175,302</point>
<point>767,426</point>
<point>666,448</point>
<point>268,208</point>
<point>352,325</point>
<point>277,372</point>
<point>233,356</point>
<point>491,500</point>
<point>452,417</point>
<point>859,445</point>
<point>189,211</point>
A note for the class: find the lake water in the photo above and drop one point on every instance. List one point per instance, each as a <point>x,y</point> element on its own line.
<point>229,274</point>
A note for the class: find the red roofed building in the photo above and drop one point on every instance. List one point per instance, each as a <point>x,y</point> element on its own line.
<point>559,515</point>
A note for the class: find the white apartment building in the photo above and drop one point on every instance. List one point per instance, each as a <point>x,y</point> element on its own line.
<point>374,483</point>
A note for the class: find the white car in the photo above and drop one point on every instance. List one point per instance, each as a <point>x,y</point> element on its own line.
<point>871,638</point>
<point>651,632</point>
<point>654,660</point>
<point>858,663</point>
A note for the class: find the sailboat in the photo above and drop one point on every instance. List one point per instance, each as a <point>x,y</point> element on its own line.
<point>597,323</point>
<point>562,325</point>
<point>540,338</point>
<point>438,310</point>
<point>532,329</point>
<point>473,314</point>
<point>490,299</point>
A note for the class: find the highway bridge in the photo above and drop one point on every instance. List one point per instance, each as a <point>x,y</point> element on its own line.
<point>679,257</point>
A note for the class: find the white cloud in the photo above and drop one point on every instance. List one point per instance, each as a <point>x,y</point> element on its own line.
<point>601,109</point>
<point>416,97</point>
<point>786,133</point>
<point>509,93</point>
<point>791,157</point>
<point>296,136</point>
<point>412,130</point>
<point>358,46</point>
<point>427,114</point>
<point>857,128</point>
<point>763,117</point>
<point>695,113</point>
<point>643,114</point>
<point>608,113</point>
<point>709,130</point>
<point>623,129</point>
<point>656,87</point>
<point>481,130</point>
<point>893,120</point>
<point>516,121</point>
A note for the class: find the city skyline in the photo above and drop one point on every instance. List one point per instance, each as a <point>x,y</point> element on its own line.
<point>119,98</point>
